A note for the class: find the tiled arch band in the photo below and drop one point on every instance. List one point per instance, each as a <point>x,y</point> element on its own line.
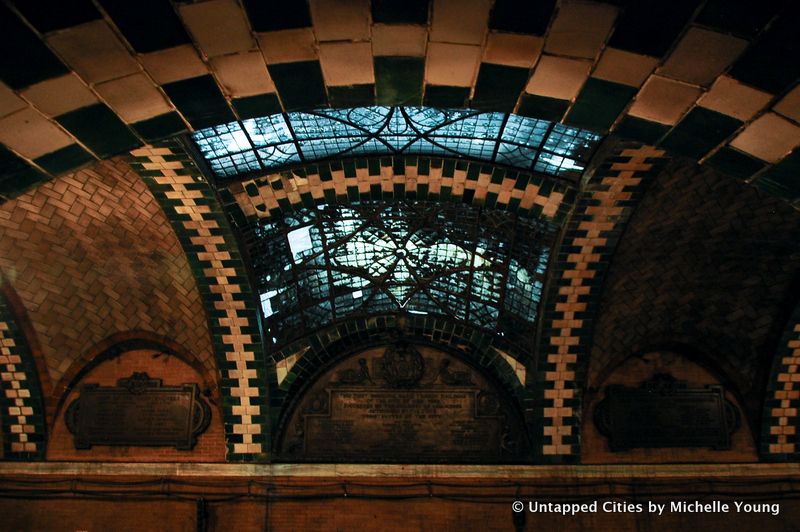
<point>192,208</point>
<point>23,415</point>
<point>601,213</point>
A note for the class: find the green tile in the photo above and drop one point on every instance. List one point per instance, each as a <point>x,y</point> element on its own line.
<point>274,16</point>
<point>498,87</point>
<point>542,107</point>
<point>651,27</point>
<point>200,101</point>
<point>400,12</point>
<point>300,85</point>
<point>160,127</point>
<point>353,96</point>
<point>699,132</point>
<point>52,16</point>
<point>67,158</point>
<point>256,106</point>
<point>446,97</point>
<point>398,80</point>
<point>640,129</point>
<point>734,163</point>
<point>16,175</point>
<point>98,128</point>
<point>783,179</point>
<point>599,104</point>
<point>770,63</point>
<point>26,59</point>
<point>153,25</point>
<point>747,18</point>
<point>521,16</point>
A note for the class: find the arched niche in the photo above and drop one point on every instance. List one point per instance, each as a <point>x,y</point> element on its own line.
<point>672,378</point>
<point>158,365</point>
<point>402,403</point>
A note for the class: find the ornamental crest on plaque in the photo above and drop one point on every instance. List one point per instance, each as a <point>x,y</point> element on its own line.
<point>402,366</point>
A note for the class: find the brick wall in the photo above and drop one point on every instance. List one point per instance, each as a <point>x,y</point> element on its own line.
<point>91,254</point>
<point>387,505</point>
<point>231,307</point>
<point>709,265</point>
<point>172,371</point>
<point>570,305</point>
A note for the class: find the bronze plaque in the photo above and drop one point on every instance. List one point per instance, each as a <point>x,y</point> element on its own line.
<point>663,412</point>
<point>139,411</point>
<point>403,404</point>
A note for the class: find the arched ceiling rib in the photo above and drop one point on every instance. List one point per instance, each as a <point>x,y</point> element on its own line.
<point>711,80</point>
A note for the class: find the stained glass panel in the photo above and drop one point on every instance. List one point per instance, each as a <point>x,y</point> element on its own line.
<point>280,140</point>
<point>320,264</point>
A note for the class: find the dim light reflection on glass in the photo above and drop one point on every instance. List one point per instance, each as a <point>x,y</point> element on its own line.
<point>318,264</point>
<point>282,140</point>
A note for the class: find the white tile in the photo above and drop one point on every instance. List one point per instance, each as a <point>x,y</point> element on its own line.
<point>31,135</point>
<point>460,21</point>
<point>341,20</point>
<point>512,49</point>
<point>60,95</point>
<point>452,64</point>
<point>288,46</point>
<point>557,77</point>
<point>664,100</point>
<point>134,98</point>
<point>770,138</point>
<point>404,40</point>
<point>702,55</point>
<point>346,63</point>
<point>790,105</point>
<point>624,67</point>
<point>243,74</point>
<point>174,64</point>
<point>93,51</point>
<point>219,26</point>
<point>580,28</point>
<point>729,97</point>
<point>9,102</point>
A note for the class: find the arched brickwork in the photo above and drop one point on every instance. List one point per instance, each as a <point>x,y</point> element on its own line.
<point>23,418</point>
<point>230,304</point>
<point>708,264</point>
<point>779,429</point>
<point>119,343</point>
<point>576,280</point>
<point>91,254</point>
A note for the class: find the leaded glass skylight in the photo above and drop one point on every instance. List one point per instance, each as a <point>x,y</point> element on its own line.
<point>281,140</point>
<point>317,265</point>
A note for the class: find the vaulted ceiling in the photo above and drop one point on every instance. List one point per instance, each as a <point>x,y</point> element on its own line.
<point>682,233</point>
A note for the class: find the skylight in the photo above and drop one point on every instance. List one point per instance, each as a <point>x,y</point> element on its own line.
<point>281,140</point>
<point>318,265</point>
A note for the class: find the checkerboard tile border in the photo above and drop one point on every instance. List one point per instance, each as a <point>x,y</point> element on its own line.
<point>697,86</point>
<point>779,440</point>
<point>404,177</point>
<point>23,414</point>
<point>192,208</point>
<point>576,280</point>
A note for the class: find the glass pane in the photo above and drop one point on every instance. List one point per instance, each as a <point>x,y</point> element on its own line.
<point>511,140</point>
<point>455,260</point>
